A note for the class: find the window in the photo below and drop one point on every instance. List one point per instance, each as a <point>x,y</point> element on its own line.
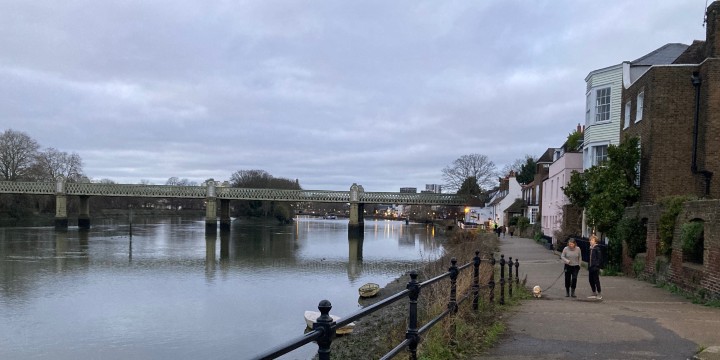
<point>602,105</point>
<point>599,154</point>
<point>533,215</point>
<point>640,104</point>
<point>627,114</point>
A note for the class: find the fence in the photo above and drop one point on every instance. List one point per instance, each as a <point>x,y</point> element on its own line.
<point>323,331</point>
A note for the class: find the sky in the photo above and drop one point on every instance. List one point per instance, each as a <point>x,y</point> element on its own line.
<point>384,94</point>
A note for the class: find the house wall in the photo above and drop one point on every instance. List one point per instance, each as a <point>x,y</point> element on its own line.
<point>514,193</point>
<point>605,132</point>
<point>666,130</point>
<point>553,196</point>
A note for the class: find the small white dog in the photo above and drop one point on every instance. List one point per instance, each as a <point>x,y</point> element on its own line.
<point>537,291</point>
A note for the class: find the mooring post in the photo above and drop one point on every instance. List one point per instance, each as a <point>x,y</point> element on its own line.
<point>492,279</point>
<point>324,323</point>
<point>412,329</point>
<point>510,279</point>
<point>476,279</point>
<point>517,274</point>
<point>502,279</point>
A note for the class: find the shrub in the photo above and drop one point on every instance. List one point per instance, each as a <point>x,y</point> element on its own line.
<point>691,236</point>
<point>666,225</point>
<point>633,231</point>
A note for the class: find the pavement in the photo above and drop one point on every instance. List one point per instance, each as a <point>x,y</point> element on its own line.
<point>634,320</point>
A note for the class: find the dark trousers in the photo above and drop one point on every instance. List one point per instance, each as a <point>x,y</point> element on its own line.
<point>595,279</point>
<point>571,275</point>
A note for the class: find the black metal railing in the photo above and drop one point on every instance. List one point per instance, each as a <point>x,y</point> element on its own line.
<point>323,331</point>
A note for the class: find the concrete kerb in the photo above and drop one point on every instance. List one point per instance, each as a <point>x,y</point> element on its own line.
<point>635,320</point>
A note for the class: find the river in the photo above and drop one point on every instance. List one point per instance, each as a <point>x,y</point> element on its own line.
<point>162,289</point>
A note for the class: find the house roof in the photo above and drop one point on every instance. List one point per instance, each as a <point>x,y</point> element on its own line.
<point>547,157</point>
<point>516,206</point>
<point>497,200</point>
<point>665,54</point>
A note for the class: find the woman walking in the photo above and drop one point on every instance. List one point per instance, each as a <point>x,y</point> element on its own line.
<point>594,261</point>
<point>572,257</point>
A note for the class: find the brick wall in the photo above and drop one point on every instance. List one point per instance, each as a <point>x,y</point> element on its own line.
<point>689,276</point>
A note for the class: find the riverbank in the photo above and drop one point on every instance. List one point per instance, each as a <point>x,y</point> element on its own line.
<point>377,333</point>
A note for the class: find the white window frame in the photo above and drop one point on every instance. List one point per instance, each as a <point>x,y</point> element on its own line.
<point>602,109</point>
<point>640,105</point>
<point>595,149</point>
<point>533,215</point>
<point>628,108</point>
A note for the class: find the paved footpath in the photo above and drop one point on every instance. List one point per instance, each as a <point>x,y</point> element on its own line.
<point>635,320</point>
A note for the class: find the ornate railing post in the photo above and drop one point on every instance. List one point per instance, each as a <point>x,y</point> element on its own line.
<point>453,270</point>
<point>492,279</point>
<point>502,279</point>
<point>510,278</point>
<point>476,279</point>
<point>412,330</point>
<point>517,274</point>
<point>324,323</point>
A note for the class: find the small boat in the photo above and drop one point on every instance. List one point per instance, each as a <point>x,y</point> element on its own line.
<point>312,316</point>
<point>369,290</point>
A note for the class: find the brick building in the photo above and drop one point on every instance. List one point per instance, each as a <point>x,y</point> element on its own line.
<point>675,111</point>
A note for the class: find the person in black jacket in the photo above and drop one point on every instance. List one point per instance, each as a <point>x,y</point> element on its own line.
<point>594,261</point>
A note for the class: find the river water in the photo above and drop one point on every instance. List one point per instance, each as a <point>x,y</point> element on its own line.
<point>168,291</point>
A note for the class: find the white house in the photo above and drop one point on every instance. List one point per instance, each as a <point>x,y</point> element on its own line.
<point>508,191</point>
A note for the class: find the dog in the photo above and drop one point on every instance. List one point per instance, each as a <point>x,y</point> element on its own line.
<point>537,291</point>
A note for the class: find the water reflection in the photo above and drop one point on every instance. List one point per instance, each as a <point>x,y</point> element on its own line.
<point>170,291</point>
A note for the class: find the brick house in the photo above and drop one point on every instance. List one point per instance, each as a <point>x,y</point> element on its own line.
<point>674,109</point>
<point>532,192</point>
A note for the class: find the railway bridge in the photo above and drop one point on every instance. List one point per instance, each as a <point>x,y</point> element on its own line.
<point>217,198</point>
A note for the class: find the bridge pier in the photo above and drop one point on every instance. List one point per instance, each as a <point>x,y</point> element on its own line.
<point>211,215</point>
<point>61,219</point>
<point>84,215</point>
<point>225,215</point>
<point>211,210</point>
<point>356,223</point>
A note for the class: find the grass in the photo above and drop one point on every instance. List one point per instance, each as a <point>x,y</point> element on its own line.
<point>699,298</point>
<point>468,332</point>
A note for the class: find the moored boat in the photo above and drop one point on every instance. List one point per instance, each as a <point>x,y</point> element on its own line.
<point>369,290</point>
<point>312,316</point>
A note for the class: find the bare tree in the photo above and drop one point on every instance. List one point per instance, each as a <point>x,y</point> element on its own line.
<point>476,165</point>
<point>17,154</point>
<point>51,164</point>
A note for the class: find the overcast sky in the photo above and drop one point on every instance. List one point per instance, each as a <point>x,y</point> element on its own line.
<point>379,93</point>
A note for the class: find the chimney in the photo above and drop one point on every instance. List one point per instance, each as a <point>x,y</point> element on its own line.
<point>579,129</point>
<point>712,28</point>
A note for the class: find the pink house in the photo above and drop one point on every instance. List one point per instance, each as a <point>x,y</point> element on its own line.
<point>554,200</point>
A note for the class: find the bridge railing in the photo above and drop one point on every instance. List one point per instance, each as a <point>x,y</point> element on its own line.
<point>227,193</point>
<point>323,331</point>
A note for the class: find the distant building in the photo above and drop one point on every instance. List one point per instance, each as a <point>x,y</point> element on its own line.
<point>408,190</point>
<point>433,188</point>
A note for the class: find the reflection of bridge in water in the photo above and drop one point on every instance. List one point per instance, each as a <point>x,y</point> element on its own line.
<point>217,198</point>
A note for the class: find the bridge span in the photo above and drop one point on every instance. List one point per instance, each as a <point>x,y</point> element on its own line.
<point>218,198</point>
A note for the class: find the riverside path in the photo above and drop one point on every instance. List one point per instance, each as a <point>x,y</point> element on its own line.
<point>635,320</point>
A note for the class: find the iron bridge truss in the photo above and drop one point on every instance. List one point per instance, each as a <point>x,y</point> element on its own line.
<point>229,193</point>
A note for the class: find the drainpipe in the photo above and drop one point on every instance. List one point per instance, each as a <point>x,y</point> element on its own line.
<point>696,81</point>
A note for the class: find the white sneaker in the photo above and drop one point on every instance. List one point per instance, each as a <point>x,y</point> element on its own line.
<point>599,297</point>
